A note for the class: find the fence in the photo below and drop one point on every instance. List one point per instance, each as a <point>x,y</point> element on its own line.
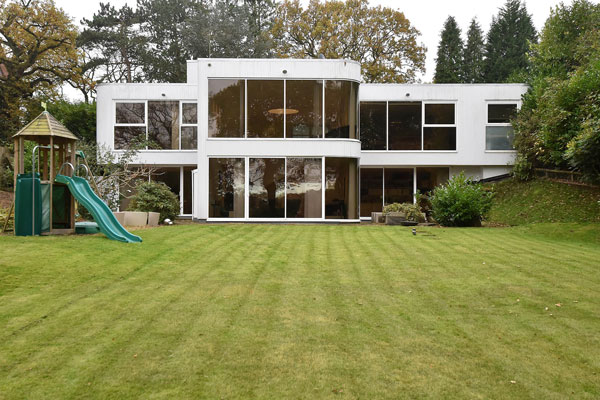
<point>560,175</point>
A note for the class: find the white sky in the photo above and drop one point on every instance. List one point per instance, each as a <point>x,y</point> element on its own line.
<point>427,16</point>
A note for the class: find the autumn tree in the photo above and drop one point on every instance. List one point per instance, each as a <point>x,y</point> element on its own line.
<point>448,68</point>
<point>380,38</point>
<point>37,46</point>
<point>508,41</point>
<point>473,54</point>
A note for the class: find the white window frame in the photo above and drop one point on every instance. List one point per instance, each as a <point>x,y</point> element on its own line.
<point>121,124</point>
<point>425,125</point>
<point>501,124</point>
<point>182,125</point>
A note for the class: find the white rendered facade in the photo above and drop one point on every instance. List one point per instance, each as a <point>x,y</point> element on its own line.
<point>299,135</point>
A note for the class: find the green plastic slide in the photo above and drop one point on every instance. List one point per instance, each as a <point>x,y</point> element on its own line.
<point>108,224</point>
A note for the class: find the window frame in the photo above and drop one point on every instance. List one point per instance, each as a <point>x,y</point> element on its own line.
<point>285,137</point>
<point>145,124</point>
<point>518,103</point>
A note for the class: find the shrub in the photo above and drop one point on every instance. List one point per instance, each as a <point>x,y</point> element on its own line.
<point>412,211</point>
<point>460,202</point>
<point>155,197</point>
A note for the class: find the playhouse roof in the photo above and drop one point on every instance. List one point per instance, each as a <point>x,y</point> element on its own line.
<point>45,125</point>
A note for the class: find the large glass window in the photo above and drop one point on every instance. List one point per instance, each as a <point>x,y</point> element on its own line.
<point>439,130</point>
<point>398,185</point>
<point>130,113</point>
<point>404,126</point>
<point>372,125</point>
<point>226,107</point>
<point>371,191</point>
<point>163,124</point>
<point>265,109</point>
<point>499,134</point>
<point>304,182</point>
<point>226,188</point>
<point>430,177</point>
<point>304,109</point>
<point>129,136</point>
<point>340,109</point>
<point>341,191</point>
<point>266,197</point>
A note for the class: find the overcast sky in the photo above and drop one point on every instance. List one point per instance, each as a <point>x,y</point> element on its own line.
<point>427,16</point>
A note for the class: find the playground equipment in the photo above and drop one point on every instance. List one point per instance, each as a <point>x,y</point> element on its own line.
<point>45,198</point>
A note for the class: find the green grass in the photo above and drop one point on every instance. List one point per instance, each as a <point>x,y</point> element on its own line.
<point>538,201</point>
<point>303,311</point>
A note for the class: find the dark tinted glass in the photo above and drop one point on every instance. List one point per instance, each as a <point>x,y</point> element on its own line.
<point>499,137</point>
<point>267,188</point>
<point>187,190</point>
<point>129,136</point>
<point>265,109</point>
<point>341,188</point>
<point>439,114</point>
<point>372,125</point>
<point>189,138</point>
<point>189,113</point>
<point>404,126</point>
<point>398,185</point>
<point>226,188</point>
<point>428,178</point>
<point>340,109</point>
<point>439,138</point>
<point>371,191</point>
<point>130,113</point>
<point>163,124</point>
<point>501,113</point>
<point>304,196</point>
<point>304,108</point>
<point>225,108</point>
<point>170,177</point>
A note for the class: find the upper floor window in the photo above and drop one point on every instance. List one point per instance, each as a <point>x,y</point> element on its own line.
<point>288,108</point>
<point>499,134</point>
<point>407,126</point>
<point>169,125</point>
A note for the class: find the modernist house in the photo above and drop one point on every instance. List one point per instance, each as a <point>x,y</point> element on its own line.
<point>304,140</point>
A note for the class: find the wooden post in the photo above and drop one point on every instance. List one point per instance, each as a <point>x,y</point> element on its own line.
<point>17,163</point>
<point>51,183</point>
<point>72,210</point>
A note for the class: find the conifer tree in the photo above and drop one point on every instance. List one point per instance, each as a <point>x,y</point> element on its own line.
<point>474,53</point>
<point>449,59</point>
<point>508,41</point>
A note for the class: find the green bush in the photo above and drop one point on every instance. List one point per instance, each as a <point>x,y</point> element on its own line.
<point>155,197</point>
<point>412,211</point>
<point>460,202</point>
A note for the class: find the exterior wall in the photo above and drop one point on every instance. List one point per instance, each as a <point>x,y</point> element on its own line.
<point>470,102</point>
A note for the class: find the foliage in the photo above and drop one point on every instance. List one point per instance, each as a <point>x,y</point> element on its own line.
<point>557,125</point>
<point>112,171</point>
<point>540,201</point>
<point>449,61</point>
<point>473,54</point>
<point>112,39</point>
<point>155,197</point>
<point>380,38</point>
<point>508,41</point>
<point>412,211</point>
<point>37,46</point>
<point>460,202</point>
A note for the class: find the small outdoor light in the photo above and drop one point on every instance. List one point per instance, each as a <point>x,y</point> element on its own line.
<point>285,71</point>
<point>407,94</point>
<point>163,95</point>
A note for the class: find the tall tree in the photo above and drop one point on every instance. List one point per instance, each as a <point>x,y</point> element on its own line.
<point>380,38</point>
<point>37,46</point>
<point>448,68</point>
<point>508,41</point>
<point>112,43</point>
<point>473,55</point>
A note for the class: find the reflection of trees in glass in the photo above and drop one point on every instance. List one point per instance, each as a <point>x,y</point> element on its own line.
<point>304,108</point>
<point>372,125</point>
<point>130,113</point>
<point>266,187</point>
<point>265,108</point>
<point>129,137</point>
<point>226,187</point>
<point>189,113</point>
<point>340,109</point>
<point>304,188</point>
<point>225,108</point>
<point>163,123</point>
<point>341,188</point>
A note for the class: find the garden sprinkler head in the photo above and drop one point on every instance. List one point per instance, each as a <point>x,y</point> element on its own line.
<point>414,230</point>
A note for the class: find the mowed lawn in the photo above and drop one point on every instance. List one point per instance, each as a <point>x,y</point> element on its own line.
<point>303,311</point>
